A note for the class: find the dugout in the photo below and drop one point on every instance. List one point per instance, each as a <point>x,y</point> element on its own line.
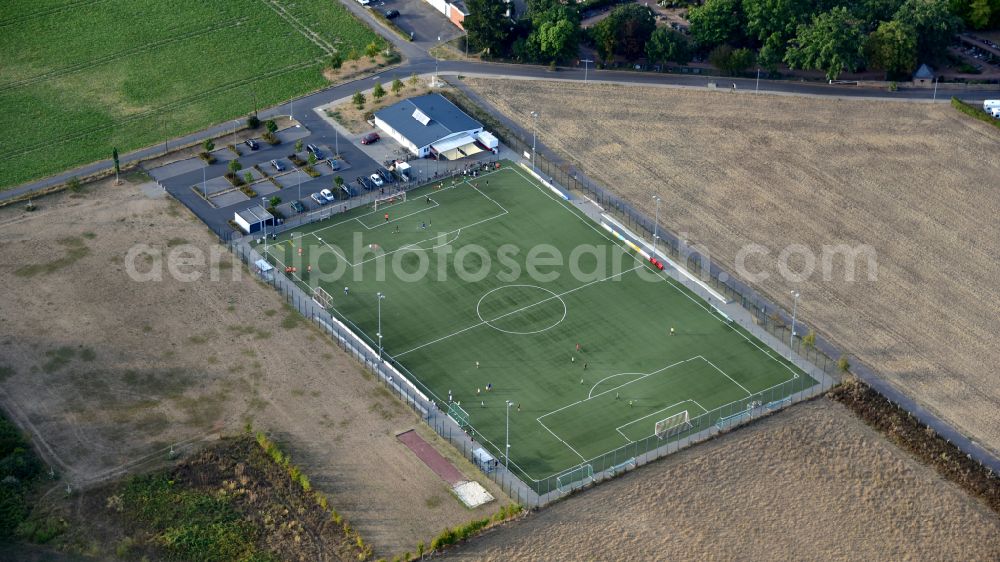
<point>253,219</point>
<point>485,461</point>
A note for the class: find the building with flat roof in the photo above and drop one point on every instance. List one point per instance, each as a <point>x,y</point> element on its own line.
<point>430,125</point>
<point>254,219</point>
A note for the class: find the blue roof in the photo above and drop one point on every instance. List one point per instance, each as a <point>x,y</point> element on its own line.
<point>924,72</point>
<point>445,119</point>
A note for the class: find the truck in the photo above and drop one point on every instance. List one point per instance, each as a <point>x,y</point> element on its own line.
<point>990,105</point>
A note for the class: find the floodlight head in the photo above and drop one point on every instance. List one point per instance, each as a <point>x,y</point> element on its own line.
<point>795,294</point>
<point>534,114</point>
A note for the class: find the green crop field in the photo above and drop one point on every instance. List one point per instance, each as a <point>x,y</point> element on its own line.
<point>496,282</point>
<point>78,78</point>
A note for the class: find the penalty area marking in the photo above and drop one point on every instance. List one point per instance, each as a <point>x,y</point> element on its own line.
<point>691,400</point>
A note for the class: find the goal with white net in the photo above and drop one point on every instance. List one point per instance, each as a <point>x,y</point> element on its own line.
<point>674,425</point>
<point>567,480</point>
<point>458,414</point>
<point>388,200</point>
<point>322,298</point>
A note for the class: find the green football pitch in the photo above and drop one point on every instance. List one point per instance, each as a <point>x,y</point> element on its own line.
<point>492,283</point>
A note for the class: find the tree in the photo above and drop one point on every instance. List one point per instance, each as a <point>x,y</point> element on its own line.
<point>413,79</point>
<point>208,145</point>
<point>271,126</point>
<point>336,60</point>
<point>485,26</point>
<point>933,23</point>
<point>774,23</point>
<point>605,39</point>
<point>338,181</point>
<point>979,14</point>
<point>893,48</point>
<point>717,22</point>
<point>397,86</point>
<point>235,166</point>
<point>729,60</point>
<point>833,43</point>
<point>248,177</point>
<point>298,145</point>
<point>378,92</point>
<point>668,45</point>
<point>554,32</point>
<point>275,201</point>
<point>636,24</point>
<point>371,50</point>
<point>312,158</point>
<point>114,158</point>
<point>358,100</point>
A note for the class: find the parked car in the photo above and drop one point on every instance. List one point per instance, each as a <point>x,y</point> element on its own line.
<point>327,194</point>
<point>335,165</point>
<point>365,2</point>
<point>252,144</point>
<point>370,138</point>
<point>315,150</point>
<point>277,166</point>
<point>298,207</point>
<point>389,14</point>
<point>377,180</point>
<point>318,198</point>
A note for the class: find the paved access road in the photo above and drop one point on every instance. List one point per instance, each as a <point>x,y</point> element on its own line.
<point>418,61</point>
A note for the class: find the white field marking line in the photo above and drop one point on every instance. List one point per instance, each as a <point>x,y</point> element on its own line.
<point>673,284</point>
<point>523,308</point>
<point>561,440</point>
<point>727,376</point>
<point>598,383</point>
<point>443,244</point>
<point>345,221</point>
<point>619,428</point>
<point>390,221</point>
<point>411,245</point>
<point>660,370</point>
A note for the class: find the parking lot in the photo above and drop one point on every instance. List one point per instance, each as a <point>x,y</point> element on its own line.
<point>419,18</point>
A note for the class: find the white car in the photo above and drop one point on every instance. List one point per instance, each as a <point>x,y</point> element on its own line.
<point>327,194</point>
<point>377,180</point>
<point>365,2</point>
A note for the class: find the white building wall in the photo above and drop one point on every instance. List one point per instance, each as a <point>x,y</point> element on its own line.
<point>395,135</point>
<point>439,5</point>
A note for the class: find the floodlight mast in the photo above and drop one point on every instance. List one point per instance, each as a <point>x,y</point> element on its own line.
<point>506,453</point>
<point>795,302</point>
<point>381,297</point>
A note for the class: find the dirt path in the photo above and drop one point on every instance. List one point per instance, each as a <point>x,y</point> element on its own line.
<point>110,374</point>
<point>915,182</point>
<point>810,483</point>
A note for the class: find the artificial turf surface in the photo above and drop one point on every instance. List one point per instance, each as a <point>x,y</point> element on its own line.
<point>471,302</point>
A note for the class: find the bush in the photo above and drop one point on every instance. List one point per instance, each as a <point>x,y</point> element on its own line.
<point>206,157</point>
<point>271,138</point>
<point>843,364</point>
<point>974,112</point>
<point>248,177</point>
<point>248,191</point>
<point>73,184</point>
<point>253,122</point>
<point>271,126</point>
<point>311,171</point>
<point>208,145</point>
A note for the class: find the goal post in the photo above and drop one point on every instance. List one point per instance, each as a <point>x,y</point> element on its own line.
<point>458,414</point>
<point>673,425</point>
<point>579,474</point>
<point>322,298</point>
<point>393,199</point>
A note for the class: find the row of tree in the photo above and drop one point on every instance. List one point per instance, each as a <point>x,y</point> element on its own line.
<point>829,35</point>
<point>835,35</point>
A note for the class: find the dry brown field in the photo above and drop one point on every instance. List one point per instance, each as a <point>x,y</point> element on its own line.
<point>919,183</point>
<point>107,374</point>
<point>809,483</point>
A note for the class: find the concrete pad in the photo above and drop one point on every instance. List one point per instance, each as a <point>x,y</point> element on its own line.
<point>264,187</point>
<point>472,494</point>
<point>177,168</point>
<point>226,199</point>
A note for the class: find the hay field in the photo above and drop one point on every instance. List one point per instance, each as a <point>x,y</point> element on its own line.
<point>810,483</point>
<point>919,183</point>
<point>106,373</point>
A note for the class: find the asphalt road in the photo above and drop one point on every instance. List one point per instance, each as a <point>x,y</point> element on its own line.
<point>418,61</point>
